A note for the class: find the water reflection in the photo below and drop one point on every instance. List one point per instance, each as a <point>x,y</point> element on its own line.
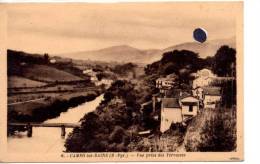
<point>48,140</point>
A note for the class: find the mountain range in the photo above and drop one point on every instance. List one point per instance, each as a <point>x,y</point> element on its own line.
<point>125,53</point>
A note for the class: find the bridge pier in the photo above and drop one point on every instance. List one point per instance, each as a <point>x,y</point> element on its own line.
<point>63,131</point>
<point>29,130</point>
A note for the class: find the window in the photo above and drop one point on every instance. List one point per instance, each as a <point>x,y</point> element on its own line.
<point>190,108</point>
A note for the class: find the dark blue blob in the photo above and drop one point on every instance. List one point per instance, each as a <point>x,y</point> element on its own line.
<point>200,35</point>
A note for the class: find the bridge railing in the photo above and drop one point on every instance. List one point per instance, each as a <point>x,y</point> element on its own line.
<point>29,126</point>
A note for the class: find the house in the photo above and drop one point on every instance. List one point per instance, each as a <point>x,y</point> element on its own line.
<point>212,95</point>
<point>106,82</point>
<point>177,110</point>
<point>53,61</point>
<point>170,113</point>
<point>203,78</point>
<point>189,107</point>
<point>87,71</point>
<point>208,96</point>
<point>164,82</point>
<point>94,78</point>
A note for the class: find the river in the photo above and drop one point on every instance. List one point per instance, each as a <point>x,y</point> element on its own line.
<point>48,140</point>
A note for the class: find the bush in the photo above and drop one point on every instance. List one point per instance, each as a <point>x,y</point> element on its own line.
<point>217,133</point>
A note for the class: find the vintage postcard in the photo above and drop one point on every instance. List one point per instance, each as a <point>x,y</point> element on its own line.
<point>90,82</point>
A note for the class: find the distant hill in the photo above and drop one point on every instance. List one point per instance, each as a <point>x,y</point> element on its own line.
<point>208,48</point>
<point>30,70</point>
<point>122,53</point>
<point>125,53</point>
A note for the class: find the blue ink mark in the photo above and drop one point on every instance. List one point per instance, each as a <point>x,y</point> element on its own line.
<point>200,35</point>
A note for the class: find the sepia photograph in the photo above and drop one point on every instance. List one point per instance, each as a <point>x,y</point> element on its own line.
<point>123,81</point>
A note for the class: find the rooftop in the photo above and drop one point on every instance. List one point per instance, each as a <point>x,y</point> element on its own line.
<point>170,103</point>
<point>212,90</point>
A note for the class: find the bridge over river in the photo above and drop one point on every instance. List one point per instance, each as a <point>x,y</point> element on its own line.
<point>46,137</point>
<point>29,126</point>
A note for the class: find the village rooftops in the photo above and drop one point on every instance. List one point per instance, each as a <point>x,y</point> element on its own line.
<point>212,91</point>
<point>177,93</point>
<point>185,94</point>
<point>170,103</point>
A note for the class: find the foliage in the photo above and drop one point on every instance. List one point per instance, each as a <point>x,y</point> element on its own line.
<point>181,63</point>
<point>107,129</point>
<point>20,63</point>
<point>157,142</point>
<point>104,75</point>
<point>124,69</point>
<point>174,61</point>
<point>229,92</point>
<point>46,58</point>
<point>110,127</point>
<point>212,131</point>
<point>225,62</point>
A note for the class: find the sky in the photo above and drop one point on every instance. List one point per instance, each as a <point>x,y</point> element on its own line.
<point>63,28</point>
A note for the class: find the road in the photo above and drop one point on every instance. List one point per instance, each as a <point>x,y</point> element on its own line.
<point>15,103</point>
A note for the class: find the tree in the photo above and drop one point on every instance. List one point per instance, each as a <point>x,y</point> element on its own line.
<point>124,69</point>
<point>225,61</point>
<point>46,57</point>
<point>152,69</point>
<point>174,61</point>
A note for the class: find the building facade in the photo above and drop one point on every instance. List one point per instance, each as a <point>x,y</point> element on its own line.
<point>177,110</point>
<point>203,78</point>
<point>212,96</point>
<point>170,113</point>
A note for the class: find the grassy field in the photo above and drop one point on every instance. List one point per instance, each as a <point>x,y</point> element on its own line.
<point>19,82</point>
<point>54,87</point>
<point>48,74</point>
<point>40,90</point>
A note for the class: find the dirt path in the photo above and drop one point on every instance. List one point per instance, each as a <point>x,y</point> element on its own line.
<point>16,103</point>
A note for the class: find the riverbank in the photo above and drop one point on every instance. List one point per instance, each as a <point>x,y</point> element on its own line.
<point>48,108</point>
<point>48,139</point>
<point>112,126</point>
